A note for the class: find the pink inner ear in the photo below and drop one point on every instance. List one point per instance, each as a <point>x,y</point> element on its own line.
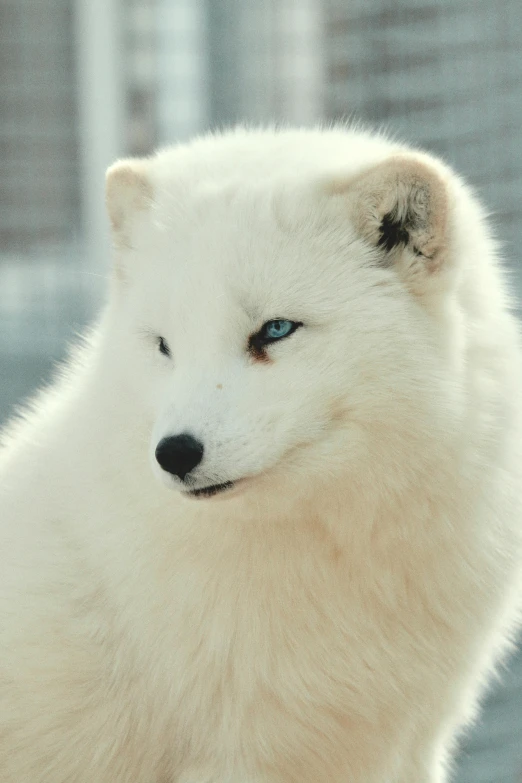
<point>402,203</point>
<point>127,188</point>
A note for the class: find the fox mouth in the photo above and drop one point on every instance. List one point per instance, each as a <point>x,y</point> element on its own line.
<point>210,491</point>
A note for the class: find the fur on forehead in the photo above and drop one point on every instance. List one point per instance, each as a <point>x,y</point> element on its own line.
<point>395,199</point>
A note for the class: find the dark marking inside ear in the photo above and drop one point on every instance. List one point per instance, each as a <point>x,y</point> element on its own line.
<point>400,207</point>
<point>392,232</point>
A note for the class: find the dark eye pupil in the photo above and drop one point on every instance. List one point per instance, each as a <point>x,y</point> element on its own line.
<point>279,327</point>
<point>163,346</point>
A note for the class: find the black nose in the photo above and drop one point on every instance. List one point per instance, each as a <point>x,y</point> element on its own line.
<point>179,454</point>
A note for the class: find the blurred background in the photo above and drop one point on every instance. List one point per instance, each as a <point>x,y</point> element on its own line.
<point>85,81</point>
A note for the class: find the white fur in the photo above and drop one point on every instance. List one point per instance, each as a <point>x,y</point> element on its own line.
<point>334,617</point>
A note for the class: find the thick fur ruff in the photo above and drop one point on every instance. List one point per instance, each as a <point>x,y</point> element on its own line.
<point>332,613</point>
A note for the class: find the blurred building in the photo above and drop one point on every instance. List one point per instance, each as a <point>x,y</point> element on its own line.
<point>85,81</point>
<point>39,185</point>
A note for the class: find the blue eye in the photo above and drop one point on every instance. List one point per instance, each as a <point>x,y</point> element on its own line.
<point>275,330</point>
<point>270,332</point>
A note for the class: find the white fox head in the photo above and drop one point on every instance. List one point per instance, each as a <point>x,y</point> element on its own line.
<point>285,297</point>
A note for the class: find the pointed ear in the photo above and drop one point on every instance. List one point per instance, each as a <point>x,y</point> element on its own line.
<point>127,190</point>
<point>401,208</point>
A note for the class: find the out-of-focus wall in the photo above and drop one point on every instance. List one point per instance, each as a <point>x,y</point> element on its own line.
<point>39,185</point>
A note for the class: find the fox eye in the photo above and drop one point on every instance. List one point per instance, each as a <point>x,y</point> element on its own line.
<point>276,330</point>
<point>271,332</point>
<point>163,346</point>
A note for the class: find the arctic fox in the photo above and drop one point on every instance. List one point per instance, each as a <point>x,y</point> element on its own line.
<point>307,340</point>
